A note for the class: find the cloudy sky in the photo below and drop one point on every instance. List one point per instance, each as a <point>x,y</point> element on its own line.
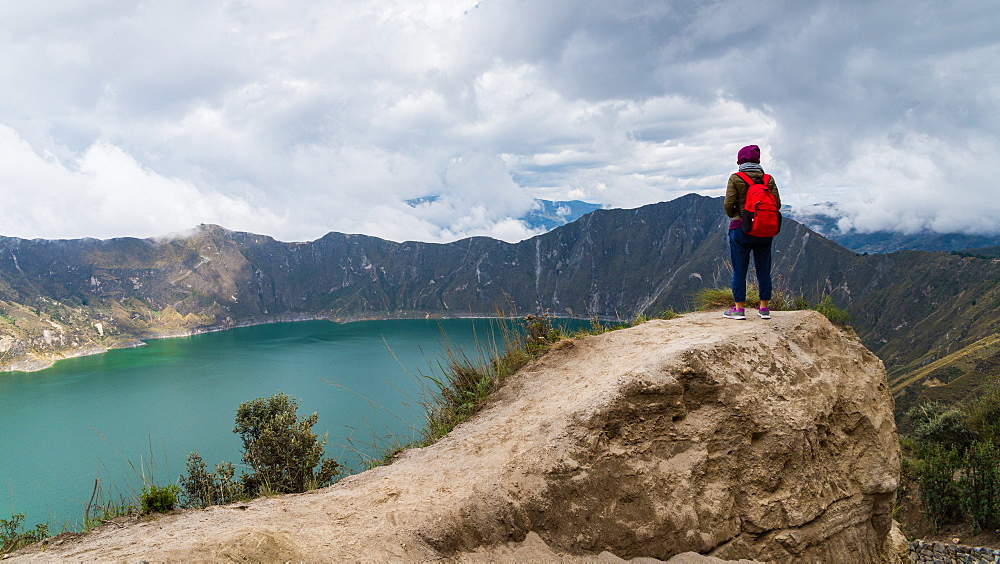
<point>295,118</point>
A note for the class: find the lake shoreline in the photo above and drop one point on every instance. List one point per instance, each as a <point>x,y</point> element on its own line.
<point>35,362</point>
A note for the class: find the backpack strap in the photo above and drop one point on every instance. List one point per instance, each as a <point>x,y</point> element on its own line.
<point>765,180</point>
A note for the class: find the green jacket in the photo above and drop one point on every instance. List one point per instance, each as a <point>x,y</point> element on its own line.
<point>736,193</point>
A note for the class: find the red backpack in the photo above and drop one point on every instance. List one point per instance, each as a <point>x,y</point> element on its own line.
<point>760,214</point>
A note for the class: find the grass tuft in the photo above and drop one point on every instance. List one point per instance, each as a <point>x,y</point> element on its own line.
<point>832,312</point>
<point>102,507</point>
<point>467,381</point>
<point>157,499</point>
<point>714,298</point>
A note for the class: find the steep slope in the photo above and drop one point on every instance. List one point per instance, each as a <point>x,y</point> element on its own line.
<point>909,307</point>
<point>771,440</point>
<point>954,379</point>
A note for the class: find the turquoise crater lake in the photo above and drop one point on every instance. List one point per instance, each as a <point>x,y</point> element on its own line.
<point>62,427</point>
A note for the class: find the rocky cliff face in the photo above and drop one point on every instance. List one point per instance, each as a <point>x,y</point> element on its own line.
<point>909,307</point>
<point>764,440</point>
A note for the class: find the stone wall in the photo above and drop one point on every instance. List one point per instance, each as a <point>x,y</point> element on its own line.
<point>926,551</point>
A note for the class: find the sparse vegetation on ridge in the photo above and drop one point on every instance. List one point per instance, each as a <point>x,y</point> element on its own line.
<point>712,298</point>
<point>949,380</point>
<point>281,450</point>
<point>101,508</point>
<point>285,456</point>
<point>465,381</point>
<point>152,498</point>
<point>13,536</point>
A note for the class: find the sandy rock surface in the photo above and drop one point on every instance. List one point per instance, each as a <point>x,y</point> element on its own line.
<point>769,440</point>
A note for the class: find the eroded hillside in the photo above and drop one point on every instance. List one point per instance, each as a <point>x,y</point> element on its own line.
<point>64,298</point>
<point>766,440</point>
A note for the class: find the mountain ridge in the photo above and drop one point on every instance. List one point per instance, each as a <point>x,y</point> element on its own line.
<point>610,263</point>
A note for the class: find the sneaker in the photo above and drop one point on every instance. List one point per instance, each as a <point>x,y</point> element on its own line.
<point>764,313</point>
<point>733,313</point>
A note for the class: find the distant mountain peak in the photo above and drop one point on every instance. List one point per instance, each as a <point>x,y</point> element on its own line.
<point>551,214</point>
<point>545,215</point>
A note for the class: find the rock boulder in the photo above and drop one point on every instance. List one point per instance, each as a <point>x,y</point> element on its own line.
<point>767,440</point>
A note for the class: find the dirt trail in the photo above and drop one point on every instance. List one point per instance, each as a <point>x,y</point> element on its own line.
<point>564,453</point>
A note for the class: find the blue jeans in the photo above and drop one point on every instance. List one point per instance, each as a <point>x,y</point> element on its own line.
<point>741,246</point>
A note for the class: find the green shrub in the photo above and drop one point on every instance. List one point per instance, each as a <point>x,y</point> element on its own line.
<point>541,330</point>
<point>798,302</point>
<point>980,485</point>
<point>936,424</point>
<point>201,488</point>
<point>831,312</point>
<point>939,491</point>
<point>156,499</point>
<point>285,456</point>
<point>13,536</point>
<point>984,413</point>
<point>957,462</point>
<point>282,450</point>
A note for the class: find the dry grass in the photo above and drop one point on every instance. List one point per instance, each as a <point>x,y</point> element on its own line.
<point>467,381</point>
<point>715,298</point>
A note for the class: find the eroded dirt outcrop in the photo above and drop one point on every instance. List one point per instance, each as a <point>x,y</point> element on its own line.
<point>763,440</point>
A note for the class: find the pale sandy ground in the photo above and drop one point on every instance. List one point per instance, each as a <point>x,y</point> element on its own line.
<point>468,497</point>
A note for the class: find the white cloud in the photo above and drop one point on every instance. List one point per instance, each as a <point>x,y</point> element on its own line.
<point>299,118</point>
<point>106,193</point>
<point>477,197</point>
<point>929,186</point>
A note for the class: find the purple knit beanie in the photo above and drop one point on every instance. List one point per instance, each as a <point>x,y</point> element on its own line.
<point>748,154</point>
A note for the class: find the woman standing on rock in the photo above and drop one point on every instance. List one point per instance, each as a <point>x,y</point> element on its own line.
<point>742,245</point>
